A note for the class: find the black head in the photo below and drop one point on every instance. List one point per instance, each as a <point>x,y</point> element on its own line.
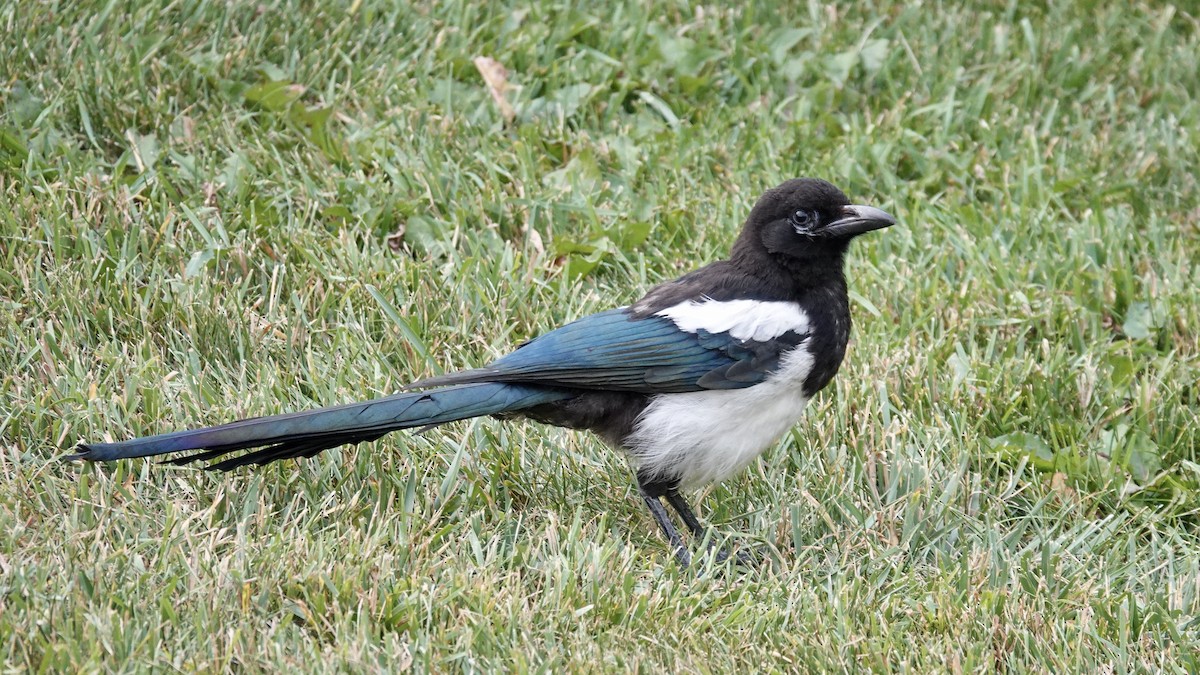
<point>804,225</point>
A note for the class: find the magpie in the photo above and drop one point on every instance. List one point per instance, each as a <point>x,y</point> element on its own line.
<point>693,381</point>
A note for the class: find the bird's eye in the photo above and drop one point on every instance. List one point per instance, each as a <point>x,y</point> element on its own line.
<point>803,220</point>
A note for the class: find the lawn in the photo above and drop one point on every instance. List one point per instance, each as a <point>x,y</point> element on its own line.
<point>212,210</point>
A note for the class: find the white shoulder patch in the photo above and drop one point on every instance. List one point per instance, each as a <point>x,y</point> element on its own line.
<point>756,320</point>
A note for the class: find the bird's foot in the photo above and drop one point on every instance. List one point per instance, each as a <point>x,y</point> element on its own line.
<point>741,557</point>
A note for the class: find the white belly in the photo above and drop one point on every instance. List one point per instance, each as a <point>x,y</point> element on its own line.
<point>707,436</point>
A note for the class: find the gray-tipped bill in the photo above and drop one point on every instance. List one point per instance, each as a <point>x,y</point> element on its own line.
<point>857,219</point>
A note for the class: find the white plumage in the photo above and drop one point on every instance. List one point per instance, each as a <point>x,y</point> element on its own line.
<point>707,436</point>
<point>743,319</point>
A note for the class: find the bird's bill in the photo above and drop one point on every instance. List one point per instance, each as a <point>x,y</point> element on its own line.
<point>857,219</point>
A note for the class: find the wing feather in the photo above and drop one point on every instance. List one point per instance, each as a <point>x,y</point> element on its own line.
<point>616,350</point>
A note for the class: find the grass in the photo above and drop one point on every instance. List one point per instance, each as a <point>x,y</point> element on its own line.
<point>214,210</point>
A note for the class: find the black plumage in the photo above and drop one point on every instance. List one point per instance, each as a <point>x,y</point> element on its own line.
<point>746,340</point>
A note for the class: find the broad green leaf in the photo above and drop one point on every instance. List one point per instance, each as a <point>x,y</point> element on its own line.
<point>1019,443</point>
<point>873,54</point>
<point>274,95</point>
<point>1138,321</point>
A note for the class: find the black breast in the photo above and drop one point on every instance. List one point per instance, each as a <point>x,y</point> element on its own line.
<point>828,310</point>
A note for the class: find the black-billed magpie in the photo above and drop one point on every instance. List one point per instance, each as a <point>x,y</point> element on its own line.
<point>693,381</point>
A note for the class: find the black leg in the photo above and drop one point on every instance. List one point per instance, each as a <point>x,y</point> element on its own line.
<point>681,507</point>
<point>664,521</point>
<point>699,531</point>
<point>651,489</point>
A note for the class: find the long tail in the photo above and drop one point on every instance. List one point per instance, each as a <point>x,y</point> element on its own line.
<point>304,434</point>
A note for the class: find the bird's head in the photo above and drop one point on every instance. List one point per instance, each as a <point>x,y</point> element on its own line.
<point>805,225</point>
